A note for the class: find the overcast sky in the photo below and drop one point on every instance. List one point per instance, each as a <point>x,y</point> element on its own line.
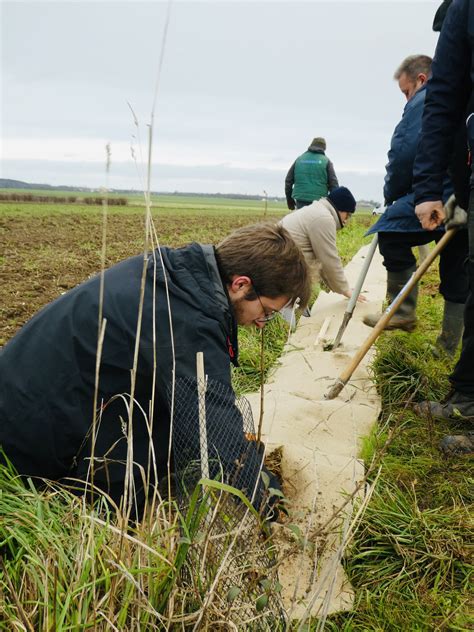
<point>244,88</point>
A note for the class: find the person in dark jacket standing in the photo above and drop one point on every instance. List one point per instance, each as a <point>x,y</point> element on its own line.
<point>449,100</point>
<point>310,177</point>
<point>398,228</point>
<point>194,298</point>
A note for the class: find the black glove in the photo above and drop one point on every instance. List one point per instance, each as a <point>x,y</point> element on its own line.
<point>290,204</point>
<point>456,216</point>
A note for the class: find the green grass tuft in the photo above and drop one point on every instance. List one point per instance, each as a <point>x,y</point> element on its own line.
<point>404,364</point>
<point>411,560</point>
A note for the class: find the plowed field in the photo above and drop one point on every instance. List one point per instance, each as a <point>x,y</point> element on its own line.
<point>46,255</point>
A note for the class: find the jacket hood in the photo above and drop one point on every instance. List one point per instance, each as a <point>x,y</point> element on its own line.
<point>193,275</point>
<point>317,148</point>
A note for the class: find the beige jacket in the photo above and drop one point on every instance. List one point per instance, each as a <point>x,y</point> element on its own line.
<point>314,229</point>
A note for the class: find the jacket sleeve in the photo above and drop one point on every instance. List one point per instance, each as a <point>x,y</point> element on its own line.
<point>289,181</point>
<point>322,234</point>
<point>446,99</point>
<point>333,182</point>
<point>220,443</point>
<point>233,458</point>
<point>401,155</point>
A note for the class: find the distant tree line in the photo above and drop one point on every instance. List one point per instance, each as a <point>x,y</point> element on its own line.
<point>111,201</point>
<point>7,183</point>
<point>60,199</point>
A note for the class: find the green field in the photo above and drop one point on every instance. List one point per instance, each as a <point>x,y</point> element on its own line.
<point>164,204</point>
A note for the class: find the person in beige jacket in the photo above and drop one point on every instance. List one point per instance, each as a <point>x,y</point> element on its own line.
<point>314,228</point>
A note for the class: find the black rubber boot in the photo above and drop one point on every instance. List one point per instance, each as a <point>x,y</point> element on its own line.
<point>453,326</point>
<point>405,316</point>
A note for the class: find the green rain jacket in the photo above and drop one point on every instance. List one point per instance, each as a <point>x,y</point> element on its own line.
<point>311,176</point>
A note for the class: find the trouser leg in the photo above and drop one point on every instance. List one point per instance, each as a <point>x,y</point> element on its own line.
<point>400,262</point>
<point>405,316</point>
<point>453,272</point>
<point>462,377</point>
<point>452,328</point>
<point>454,287</point>
<point>395,283</point>
<point>397,249</point>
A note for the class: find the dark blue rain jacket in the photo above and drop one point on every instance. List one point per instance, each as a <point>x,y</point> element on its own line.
<point>448,95</point>
<point>48,371</point>
<point>399,216</point>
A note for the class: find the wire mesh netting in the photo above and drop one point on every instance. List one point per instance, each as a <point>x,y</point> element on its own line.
<point>214,439</point>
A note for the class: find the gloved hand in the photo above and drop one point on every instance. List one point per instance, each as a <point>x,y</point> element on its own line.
<point>273,496</point>
<point>290,204</point>
<point>455,215</point>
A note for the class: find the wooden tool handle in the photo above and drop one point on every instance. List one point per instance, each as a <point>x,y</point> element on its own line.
<point>345,376</point>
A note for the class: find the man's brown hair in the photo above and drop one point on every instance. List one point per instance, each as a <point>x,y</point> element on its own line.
<point>413,65</point>
<point>267,254</point>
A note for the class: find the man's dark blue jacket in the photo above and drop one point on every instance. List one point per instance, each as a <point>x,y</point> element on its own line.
<point>399,216</point>
<point>448,95</point>
<point>48,369</point>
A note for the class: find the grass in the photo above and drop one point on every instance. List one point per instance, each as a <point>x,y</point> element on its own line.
<point>411,561</point>
<point>351,238</point>
<point>65,567</point>
<point>164,205</point>
<point>247,377</point>
<point>163,210</point>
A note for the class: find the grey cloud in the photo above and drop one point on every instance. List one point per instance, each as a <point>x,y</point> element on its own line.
<point>261,78</point>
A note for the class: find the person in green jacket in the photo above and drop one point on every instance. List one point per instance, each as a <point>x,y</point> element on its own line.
<point>310,177</point>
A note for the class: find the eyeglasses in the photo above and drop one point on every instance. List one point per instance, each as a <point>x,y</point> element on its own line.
<point>268,315</point>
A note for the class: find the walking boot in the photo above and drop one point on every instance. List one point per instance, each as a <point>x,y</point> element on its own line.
<point>457,445</point>
<point>405,316</point>
<point>456,407</point>
<point>453,325</point>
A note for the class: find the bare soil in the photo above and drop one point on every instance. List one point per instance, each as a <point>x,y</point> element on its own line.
<point>45,256</point>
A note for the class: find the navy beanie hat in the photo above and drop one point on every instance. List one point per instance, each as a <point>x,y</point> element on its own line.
<point>342,200</point>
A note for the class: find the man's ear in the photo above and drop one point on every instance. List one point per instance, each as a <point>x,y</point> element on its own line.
<point>422,78</point>
<point>239,286</point>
